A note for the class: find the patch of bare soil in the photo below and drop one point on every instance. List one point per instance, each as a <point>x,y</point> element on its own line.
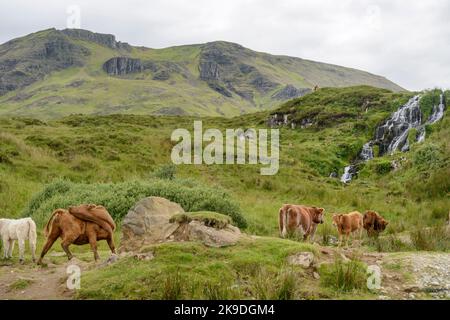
<point>33,282</point>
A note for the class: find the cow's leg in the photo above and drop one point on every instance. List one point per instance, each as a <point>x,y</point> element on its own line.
<point>11,247</point>
<point>93,243</point>
<point>5,248</point>
<point>92,237</point>
<point>65,245</point>
<point>313,232</point>
<point>111,245</point>
<point>21,250</point>
<point>32,245</point>
<point>340,239</point>
<point>50,241</point>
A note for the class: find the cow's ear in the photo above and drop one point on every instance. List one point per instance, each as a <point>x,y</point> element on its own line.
<point>91,206</point>
<point>321,210</point>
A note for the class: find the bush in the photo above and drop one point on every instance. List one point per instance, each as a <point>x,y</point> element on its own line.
<point>166,171</point>
<point>432,239</point>
<point>343,276</point>
<point>429,156</point>
<point>383,167</point>
<point>120,197</point>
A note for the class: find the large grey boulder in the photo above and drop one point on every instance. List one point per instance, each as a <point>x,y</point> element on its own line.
<point>149,222</point>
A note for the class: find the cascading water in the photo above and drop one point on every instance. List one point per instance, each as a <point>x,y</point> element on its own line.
<point>393,134</point>
<point>347,176</point>
<point>438,111</point>
<point>367,151</point>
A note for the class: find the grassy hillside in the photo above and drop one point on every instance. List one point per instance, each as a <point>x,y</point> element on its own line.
<point>116,159</point>
<point>98,149</point>
<point>54,73</point>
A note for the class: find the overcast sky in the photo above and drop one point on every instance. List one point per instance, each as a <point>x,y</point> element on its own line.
<point>405,41</point>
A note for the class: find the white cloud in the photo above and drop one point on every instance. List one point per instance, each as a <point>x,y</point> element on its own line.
<point>406,41</point>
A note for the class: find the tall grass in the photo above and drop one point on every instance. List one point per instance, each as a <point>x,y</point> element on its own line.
<point>343,276</point>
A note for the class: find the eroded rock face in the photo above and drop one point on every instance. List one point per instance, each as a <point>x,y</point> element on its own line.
<point>290,92</point>
<point>148,222</point>
<point>107,40</point>
<point>122,65</point>
<point>213,237</point>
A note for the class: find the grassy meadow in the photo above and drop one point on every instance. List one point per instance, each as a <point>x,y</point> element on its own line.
<point>116,159</point>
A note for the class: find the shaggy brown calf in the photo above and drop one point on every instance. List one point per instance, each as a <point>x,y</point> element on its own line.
<point>300,219</point>
<point>88,224</point>
<point>374,223</point>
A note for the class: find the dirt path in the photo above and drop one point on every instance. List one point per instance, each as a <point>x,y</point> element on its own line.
<point>32,282</point>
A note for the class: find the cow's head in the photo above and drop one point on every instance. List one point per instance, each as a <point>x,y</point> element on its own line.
<point>318,215</point>
<point>382,224</point>
<point>336,218</point>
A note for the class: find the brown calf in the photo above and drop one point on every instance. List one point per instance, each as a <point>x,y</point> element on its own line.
<point>347,224</point>
<point>374,223</point>
<point>300,219</point>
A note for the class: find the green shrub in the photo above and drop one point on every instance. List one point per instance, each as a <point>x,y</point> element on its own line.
<point>166,171</point>
<point>383,167</point>
<point>412,136</point>
<point>390,243</point>
<point>431,239</point>
<point>427,101</point>
<point>173,287</point>
<point>118,198</point>
<point>343,276</point>
<point>428,156</point>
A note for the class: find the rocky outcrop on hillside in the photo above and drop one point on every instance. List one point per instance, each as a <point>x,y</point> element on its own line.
<point>23,63</point>
<point>220,66</point>
<point>151,221</point>
<point>290,92</point>
<point>107,40</point>
<point>122,65</point>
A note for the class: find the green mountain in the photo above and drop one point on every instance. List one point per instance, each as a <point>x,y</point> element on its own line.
<point>53,73</point>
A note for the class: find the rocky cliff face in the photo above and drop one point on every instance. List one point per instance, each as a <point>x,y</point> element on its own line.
<point>22,63</point>
<point>122,65</point>
<point>221,67</point>
<point>290,92</point>
<point>107,40</point>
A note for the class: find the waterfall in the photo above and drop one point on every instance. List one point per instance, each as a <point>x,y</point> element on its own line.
<point>347,176</point>
<point>438,111</point>
<point>367,151</point>
<point>393,134</point>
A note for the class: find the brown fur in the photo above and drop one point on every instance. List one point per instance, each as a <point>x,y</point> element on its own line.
<point>73,230</point>
<point>299,218</point>
<point>347,224</point>
<point>94,213</point>
<point>374,223</point>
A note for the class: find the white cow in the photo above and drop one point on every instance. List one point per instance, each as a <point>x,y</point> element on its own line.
<point>20,230</point>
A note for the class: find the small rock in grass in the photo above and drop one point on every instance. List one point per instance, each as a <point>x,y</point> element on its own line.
<point>303,259</point>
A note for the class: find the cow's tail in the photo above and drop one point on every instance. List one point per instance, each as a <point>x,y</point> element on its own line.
<point>32,230</point>
<point>48,226</point>
<point>283,221</point>
<point>32,237</point>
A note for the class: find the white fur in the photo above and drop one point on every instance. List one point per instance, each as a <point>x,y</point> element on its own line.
<point>20,230</point>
